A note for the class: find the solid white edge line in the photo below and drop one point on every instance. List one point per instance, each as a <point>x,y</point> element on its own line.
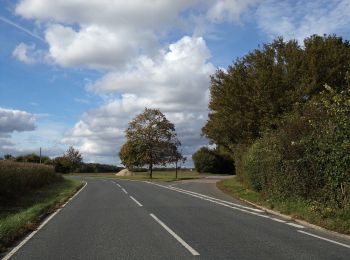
<point>215,200</point>
<point>226,205</point>
<point>138,203</point>
<point>171,232</point>
<point>224,201</point>
<point>278,220</point>
<point>28,237</point>
<point>294,225</point>
<point>325,239</point>
<point>124,190</point>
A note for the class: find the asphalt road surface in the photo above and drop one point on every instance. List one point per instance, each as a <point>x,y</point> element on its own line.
<point>120,219</point>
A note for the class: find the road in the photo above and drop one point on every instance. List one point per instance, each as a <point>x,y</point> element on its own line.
<point>121,219</point>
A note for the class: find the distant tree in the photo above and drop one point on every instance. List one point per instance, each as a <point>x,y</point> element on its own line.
<point>62,164</point>
<point>151,140</point>
<point>204,160</point>
<point>33,158</point>
<point>212,161</point>
<point>69,162</point>
<point>8,157</point>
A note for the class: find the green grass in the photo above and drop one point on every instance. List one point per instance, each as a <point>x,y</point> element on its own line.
<point>310,211</point>
<point>24,214</point>
<point>157,175</point>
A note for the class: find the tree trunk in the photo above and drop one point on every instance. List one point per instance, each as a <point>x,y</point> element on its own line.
<point>150,171</point>
<point>176,170</point>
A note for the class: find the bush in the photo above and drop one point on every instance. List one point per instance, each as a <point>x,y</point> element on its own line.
<point>16,179</point>
<point>211,161</point>
<point>309,155</point>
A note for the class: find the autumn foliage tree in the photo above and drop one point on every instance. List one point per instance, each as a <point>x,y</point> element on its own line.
<point>151,140</point>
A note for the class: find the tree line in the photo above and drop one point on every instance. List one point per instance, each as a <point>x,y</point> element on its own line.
<point>282,112</point>
<point>71,161</point>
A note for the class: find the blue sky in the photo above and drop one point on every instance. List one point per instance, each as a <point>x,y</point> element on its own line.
<point>76,72</point>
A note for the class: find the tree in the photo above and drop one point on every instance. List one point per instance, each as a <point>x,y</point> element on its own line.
<point>8,157</point>
<point>151,140</point>
<point>252,96</point>
<point>69,162</point>
<point>213,161</point>
<point>259,88</point>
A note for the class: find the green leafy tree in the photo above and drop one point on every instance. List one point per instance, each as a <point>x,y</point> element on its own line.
<point>151,140</point>
<point>204,160</point>
<point>259,88</point>
<point>69,162</point>
<point>212,161</point>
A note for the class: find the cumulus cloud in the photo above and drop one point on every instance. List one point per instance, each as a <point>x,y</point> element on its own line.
<point>28,53</point>
<point>300,19</point>
<point>177,82</point>
<point>111,34</point>
<point>16,120</point>
<point>13,121</point>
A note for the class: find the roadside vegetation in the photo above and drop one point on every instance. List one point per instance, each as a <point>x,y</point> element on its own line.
<point>70,161</point>
<point>308,210</point>
<point>28,192</point>
<point>19,179</point>
<point>283,114</point>
<point>213,161</point>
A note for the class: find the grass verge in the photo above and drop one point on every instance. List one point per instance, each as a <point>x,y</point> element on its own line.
<point>24,214</point>
<point>166,176</point>
<point>310,211</point>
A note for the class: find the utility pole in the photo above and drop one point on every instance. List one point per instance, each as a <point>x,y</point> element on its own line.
<point>40,156</point>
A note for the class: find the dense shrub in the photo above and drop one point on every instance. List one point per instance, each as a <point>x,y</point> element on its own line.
<point>206,160</point>
<point>16,179</point>
<point>309,155</point>
<point>97,168</point>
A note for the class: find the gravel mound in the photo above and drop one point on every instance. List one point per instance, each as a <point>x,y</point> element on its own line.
<point>125,172</point>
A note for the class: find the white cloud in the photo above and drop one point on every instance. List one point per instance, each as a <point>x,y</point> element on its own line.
<point>28,53</point>
<point>228,10</point>
<point>16,120</point>
<point>177,82</point>
<point>300,19</point>
<point>13,121</point>
<point>111,34</point>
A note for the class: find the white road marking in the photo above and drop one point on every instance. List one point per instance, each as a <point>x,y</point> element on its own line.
<point>224,201</point>
<point>295,225</point>
<point>278,220</point>
<point>325,239</point>
<point>171,232</point>
<point>118,185</point>
<point>211,199</point>
<point>27,238</point>
<point>124,191</point>
<point>138,203</point>
<point>225,204</point>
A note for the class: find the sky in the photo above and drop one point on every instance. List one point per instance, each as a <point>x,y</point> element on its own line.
<point>75,72</point>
